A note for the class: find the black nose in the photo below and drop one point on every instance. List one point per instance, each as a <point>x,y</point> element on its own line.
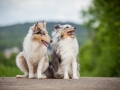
<point>51,41</point>
<point>74,27</point>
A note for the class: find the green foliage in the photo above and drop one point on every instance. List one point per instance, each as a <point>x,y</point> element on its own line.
<point>8,66</point>
<point>103,52</point>
<point>84,57</point>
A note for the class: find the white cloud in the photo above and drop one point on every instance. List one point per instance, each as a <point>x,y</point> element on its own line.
<point>20,11</point>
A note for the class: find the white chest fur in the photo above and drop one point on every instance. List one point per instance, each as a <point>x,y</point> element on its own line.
<point>33,50</point>
<point>67,49</point>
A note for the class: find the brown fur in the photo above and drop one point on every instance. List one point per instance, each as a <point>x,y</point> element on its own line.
<point>65,33</point>
<point>24,62</point>
<point>40,37</point>
<point>37,27</point>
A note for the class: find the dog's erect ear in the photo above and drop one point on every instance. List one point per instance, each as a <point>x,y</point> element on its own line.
<point>44,24</point>
<point>37,27</point>
<point>57,26</point>
<point>36,23</point>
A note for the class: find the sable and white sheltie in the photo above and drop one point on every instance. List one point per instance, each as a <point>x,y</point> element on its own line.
<point>33,60</point>
<point>65,48</point>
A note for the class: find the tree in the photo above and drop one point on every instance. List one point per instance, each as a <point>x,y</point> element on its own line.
<point>103,20</point>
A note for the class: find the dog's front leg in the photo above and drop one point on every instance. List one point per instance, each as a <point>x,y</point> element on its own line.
<point>74,69</point>
<point>66,72</point>
<point>39,70</point>
<point>31,69</point>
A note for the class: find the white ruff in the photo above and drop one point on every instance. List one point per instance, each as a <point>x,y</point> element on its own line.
<point>33,50</point>
<point>68,49</point>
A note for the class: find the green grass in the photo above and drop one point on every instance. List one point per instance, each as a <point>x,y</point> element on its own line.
<point>6,71</point>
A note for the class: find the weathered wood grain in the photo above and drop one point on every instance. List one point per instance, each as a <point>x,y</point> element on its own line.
<point>84,83</point>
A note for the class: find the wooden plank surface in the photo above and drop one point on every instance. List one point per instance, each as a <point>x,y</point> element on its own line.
<point>84,83</point>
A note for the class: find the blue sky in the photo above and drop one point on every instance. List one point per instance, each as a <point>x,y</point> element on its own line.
<point>22,11</point>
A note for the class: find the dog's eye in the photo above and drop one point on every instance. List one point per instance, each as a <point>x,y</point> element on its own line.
<point>43,33</point>
<point>67,27</point>
<point>39,32</point>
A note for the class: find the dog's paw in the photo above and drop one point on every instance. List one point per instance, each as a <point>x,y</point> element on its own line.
<point>31,76</point>
<point>75,77</point>
<point>58,76</point>
<point>21,76</point>
<point>42,77</point>
<point>66,77</point>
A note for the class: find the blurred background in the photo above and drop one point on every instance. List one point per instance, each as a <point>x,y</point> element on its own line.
<point>98,31</point>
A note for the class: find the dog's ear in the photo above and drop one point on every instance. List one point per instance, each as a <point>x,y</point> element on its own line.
<point>57,26</point>
<point>36,23</point>
<point>44,24</point>
<point>37,27</point>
